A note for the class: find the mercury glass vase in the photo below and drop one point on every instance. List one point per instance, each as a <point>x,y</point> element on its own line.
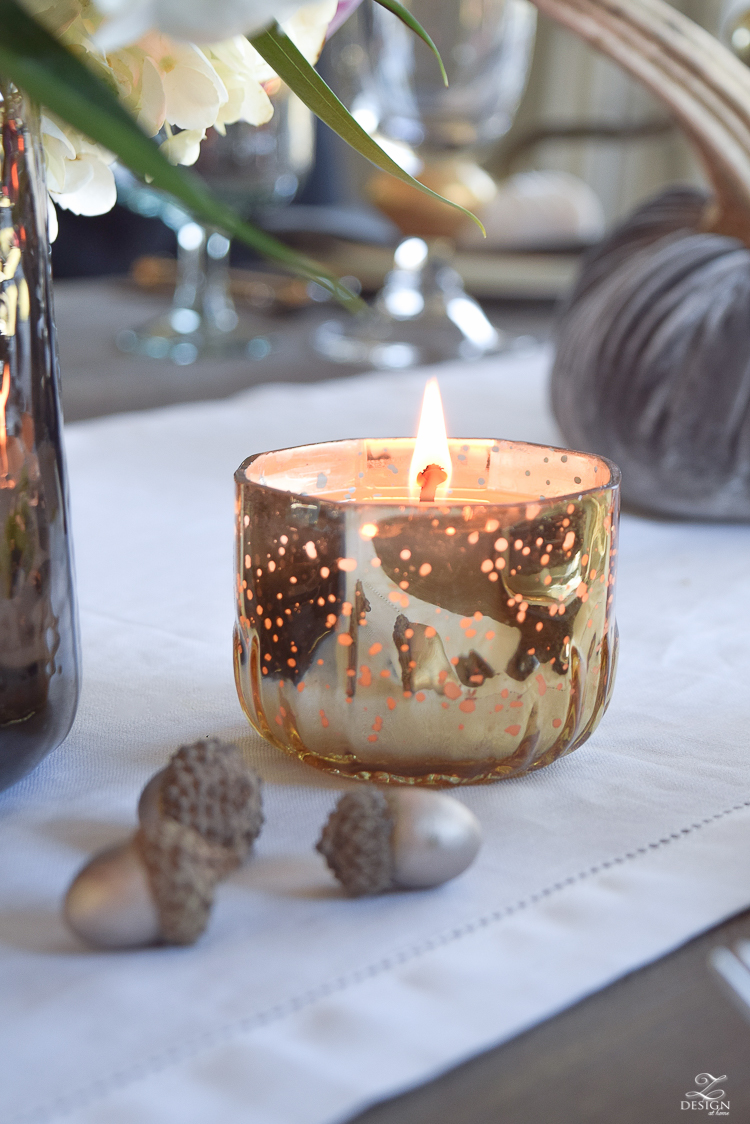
<point>453,642</point>
<point>39,661</point>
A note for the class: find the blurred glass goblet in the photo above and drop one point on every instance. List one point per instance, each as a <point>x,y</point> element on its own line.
<point>423,314</point>
<point>249,167</point>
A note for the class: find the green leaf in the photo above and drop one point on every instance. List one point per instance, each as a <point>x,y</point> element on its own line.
<point>291,65</point>
<point>407,18</point>
<point>36,62</point>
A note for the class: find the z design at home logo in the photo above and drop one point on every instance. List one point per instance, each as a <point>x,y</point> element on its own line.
<point>707,1096</point>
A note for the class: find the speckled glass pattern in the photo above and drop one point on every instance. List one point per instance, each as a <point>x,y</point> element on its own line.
<point>444,643</point>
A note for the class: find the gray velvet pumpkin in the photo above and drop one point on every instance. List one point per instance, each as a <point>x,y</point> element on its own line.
<point>653,361</point>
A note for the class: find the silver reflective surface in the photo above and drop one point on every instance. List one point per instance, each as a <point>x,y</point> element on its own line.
<point>39,662</point>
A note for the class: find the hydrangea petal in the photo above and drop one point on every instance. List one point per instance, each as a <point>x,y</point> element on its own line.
<point>152,108</point>
<point>307,27</point>
<point>52,225</point>
<point>77,174</point>
<point>51,128</point>
<point>55,159</point>
<point>184,147</point>
<point>99,193</point>
<point>235,62</point>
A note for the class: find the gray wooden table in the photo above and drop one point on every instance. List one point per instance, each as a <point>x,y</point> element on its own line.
<point>98,379</point>
<point>626,1055</point>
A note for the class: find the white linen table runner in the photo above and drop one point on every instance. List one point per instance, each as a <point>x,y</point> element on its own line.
<point>299,1006</point>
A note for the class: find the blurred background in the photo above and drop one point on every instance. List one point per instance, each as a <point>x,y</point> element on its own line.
<point>565,146</point>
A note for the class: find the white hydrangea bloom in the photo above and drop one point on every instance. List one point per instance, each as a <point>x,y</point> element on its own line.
<point>193,91</point>
<point>165,80</point>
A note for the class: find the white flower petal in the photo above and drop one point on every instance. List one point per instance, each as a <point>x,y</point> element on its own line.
<point>260,68</point>
<point>307,28</point>
<point>184,147</point>
<point>191,99</point>
<point>152,107</point>
<point>52,226</point>
<point>231,111</point>
<point>78,173</point>
<point>238,57</point>
<point>257,107</point>
<point>140,87</point>
<point>97,196</point>
<point>55,159</point>
<point>237,68</point>
<point>86,147</point>
<point>51,128</point>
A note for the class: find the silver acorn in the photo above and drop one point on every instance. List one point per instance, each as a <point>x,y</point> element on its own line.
<point>157,887</point>
<point>404,838</point>
<point>198,819</point>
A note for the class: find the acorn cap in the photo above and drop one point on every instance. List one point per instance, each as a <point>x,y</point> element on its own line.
<point>208,787</point>
<point>183,869</point>
<point>356,842</point>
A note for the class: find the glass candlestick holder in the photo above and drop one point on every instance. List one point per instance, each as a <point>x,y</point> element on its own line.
<point>458,641</point>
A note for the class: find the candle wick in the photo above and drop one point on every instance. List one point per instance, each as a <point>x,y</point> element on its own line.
<point>428,480</point>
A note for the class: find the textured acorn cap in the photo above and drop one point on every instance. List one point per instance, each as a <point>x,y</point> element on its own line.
<point>208,787</point>
<point>183,869</point>
<point>356,842</point>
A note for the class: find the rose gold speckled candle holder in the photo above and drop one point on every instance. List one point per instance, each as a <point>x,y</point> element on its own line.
<point>442,643</point>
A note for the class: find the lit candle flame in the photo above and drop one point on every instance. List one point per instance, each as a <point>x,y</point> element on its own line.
<point>431,447</point>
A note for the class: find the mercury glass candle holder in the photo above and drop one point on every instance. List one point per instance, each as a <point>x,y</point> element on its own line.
<point>455,642</point>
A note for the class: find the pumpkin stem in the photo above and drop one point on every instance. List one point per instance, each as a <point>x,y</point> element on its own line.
<point>705,87</point>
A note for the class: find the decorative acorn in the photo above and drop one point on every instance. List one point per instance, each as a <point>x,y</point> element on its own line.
<point>199,817</point>
<point>406,838</point>
<point>208,787</point>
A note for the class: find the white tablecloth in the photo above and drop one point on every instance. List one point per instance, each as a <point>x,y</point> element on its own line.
<point>300,1006</point>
